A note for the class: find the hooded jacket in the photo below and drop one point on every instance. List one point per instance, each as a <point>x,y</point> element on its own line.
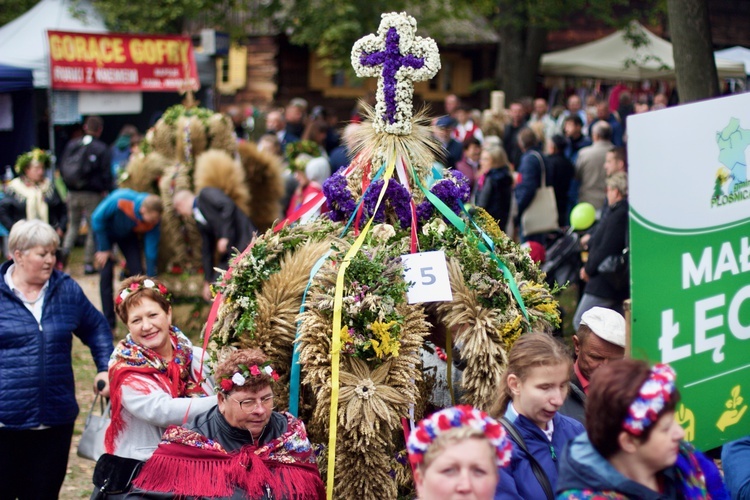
<point>36,371</point>
<point>584,471</point>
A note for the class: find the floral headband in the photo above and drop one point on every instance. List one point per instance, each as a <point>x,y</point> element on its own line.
<point>440,422</point>
<point>35,154</point>
<point>147,283</point>
<point>653,395</point>
<point>244,372</point>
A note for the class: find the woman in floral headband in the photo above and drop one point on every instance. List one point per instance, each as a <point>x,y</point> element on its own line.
<point>240,448</point>
<point>32,195</point>
<point>456,452</point>
<point>634,447</point>
<point>154,373</point>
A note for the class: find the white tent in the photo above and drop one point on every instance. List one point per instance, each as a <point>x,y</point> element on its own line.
<point>613,57</point>
<point>23,41</point>
<point>739,54</point>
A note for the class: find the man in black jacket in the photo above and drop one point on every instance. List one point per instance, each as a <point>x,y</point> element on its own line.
<point>599,340</point>
<point>223,226</point>
<point>88,183</point>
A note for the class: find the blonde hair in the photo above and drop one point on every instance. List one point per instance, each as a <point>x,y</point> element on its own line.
<point>29,233</point>
<point>618,181</point>
<point>529,351</point>
<point>454,436</point>
<point>498,155</point>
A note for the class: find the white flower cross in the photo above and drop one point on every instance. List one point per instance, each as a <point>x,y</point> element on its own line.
<point>398,58</point>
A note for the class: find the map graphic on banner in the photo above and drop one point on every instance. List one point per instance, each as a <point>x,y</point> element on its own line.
<point>690,258</point>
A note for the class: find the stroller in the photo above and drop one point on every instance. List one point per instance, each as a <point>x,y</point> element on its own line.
<point>563,259</point>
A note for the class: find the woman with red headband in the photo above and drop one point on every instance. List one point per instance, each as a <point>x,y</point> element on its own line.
<point>456,453</point>
<point>634,447</point>
<point>154,372</point>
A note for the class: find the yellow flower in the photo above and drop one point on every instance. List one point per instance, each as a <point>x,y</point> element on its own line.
<point>384,344</point>
<point>345,337</point>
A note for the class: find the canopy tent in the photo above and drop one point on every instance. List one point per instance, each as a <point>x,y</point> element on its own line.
<point>13,79</point>
<point>17,132</point>
<point>23,41</point>
<point>738,54</point>
<point>614,57</point>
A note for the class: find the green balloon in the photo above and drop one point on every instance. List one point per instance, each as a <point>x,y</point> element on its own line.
<point>582,216</point>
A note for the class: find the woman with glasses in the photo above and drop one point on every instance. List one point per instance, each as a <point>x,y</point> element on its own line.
<point>154,373</point>
<point>241,448</point>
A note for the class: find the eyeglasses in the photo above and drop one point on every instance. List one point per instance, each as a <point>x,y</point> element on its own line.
<point>249,405</point>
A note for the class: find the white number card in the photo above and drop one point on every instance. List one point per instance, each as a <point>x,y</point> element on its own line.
<point>428,274</point>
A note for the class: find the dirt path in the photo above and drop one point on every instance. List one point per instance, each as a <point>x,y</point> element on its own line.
<point>80,471</point>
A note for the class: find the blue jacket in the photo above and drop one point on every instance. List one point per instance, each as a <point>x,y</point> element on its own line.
<point>36,372</point>
<point>117,216</point>
<point>583,468</point>
<point>517,480</point>
<point>530,170</point>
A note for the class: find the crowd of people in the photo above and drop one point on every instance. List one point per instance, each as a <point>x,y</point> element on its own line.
<point>591,426</point>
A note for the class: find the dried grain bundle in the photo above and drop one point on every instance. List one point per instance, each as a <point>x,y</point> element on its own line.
<point>475,330</point>
<point>265,180</point>
<point>221,133</point>
<point>164,138</point>
<point>143,172</point>
<point>216,168</point>
<point>184,240</point>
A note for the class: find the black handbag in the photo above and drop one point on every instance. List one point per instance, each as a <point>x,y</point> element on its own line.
<point>113,475</point>
<point>616,270</point>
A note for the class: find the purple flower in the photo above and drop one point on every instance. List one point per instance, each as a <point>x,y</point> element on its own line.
<point>392,61</point>
<point>340,200</point>
<point>396,197</point>
<point>453,190</point>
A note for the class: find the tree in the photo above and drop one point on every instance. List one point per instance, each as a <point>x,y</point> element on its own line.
<point>160,16</point>
<point>11,9</point>
<point>694,63</point>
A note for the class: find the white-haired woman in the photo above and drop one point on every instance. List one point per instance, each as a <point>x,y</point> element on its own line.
<point>40,311</point>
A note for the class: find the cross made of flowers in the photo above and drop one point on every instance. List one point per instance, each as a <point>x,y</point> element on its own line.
<point>398,58</point>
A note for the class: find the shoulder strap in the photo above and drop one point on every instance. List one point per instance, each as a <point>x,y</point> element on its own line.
<point>541,165</point>
<point>539,473</point>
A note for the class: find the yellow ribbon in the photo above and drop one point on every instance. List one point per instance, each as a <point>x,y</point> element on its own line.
<point>336,334</point>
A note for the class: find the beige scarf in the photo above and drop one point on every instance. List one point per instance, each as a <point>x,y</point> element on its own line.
<point>33,194</point>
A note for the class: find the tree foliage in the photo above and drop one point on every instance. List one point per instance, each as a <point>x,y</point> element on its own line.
<point>158,16</point>
<point>11,9</point>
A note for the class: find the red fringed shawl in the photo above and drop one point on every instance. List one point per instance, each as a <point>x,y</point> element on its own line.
<point>174,377</point>
<point>187,463</point>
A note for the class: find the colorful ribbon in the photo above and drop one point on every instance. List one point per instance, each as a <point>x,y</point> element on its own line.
<point>336,334</point>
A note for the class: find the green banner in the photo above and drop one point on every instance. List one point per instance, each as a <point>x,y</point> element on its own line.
<point>690,258</point>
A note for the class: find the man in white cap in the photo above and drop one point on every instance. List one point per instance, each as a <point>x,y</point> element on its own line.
<point>599,340</point>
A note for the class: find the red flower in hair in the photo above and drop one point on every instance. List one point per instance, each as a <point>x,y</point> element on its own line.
<point>254,371</point>
<point>162,289</point>
<point>226,385</point>
<point>134,286</point>
<point>275,376</point>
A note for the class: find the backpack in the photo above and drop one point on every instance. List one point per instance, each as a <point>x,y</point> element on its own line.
<point>76,167</point>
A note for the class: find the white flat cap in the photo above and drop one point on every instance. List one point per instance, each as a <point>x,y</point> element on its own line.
<point>607,324</point>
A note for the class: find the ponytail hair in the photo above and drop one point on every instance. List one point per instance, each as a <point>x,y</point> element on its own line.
<point>529,351</point>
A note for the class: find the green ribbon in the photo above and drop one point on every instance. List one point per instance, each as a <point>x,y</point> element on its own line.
<point>488,247</point>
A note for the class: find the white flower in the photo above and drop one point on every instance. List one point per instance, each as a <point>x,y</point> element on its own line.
<point>238,379</point>
<point>124,294</point>
<point>424,49</point>
<point>268,370</point>
<point>435,225</point>
<point>383,232</point>
<point>149,284</point>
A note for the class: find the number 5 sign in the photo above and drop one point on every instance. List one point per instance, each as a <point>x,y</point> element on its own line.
<point>428,274</point>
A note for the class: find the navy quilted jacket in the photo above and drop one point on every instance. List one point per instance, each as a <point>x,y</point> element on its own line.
<point>36,372</point>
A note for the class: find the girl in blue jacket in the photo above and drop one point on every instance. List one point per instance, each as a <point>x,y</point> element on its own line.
<point>533,388</point>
